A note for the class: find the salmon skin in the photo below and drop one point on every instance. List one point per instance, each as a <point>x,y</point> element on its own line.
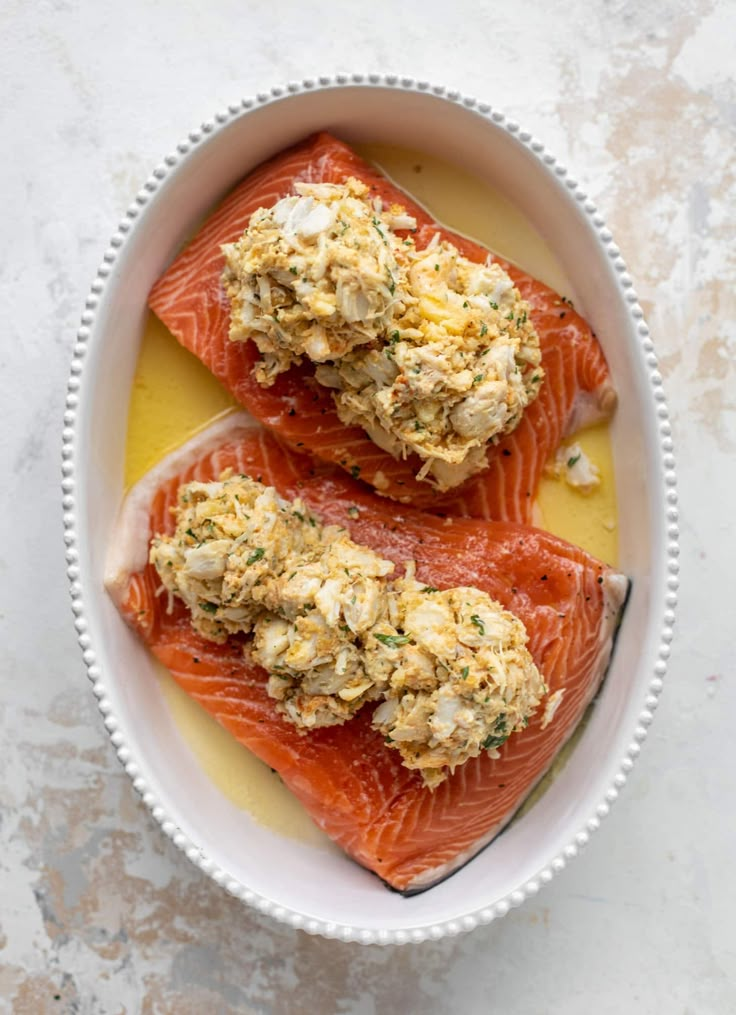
<point>353,785</point>
<point>190,301</point>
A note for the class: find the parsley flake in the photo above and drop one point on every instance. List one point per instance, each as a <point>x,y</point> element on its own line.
<point>393,640</point>
<point>475,619</point>
<point>493,741</point>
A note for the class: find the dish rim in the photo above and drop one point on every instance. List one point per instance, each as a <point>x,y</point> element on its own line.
<point>195,138</point>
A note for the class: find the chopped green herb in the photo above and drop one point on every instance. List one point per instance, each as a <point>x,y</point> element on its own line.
<point>208,607</point>
<point>393,640</point>
<point>493,741</point>
<point>353,512</point>
<point>475,619</point>
<point>299,515</point>
<point>483,329</point>
<point>191,534</point>
<point>573,460</point>
<point>465,305</point>
<point>478,378</point>
<point>510,316</point>
<point>436,267</point>
<point>464,672</point>
<point>344,627</point>
<point>257,554</point>
<point>494,306</point>
<point>429,588</point>
<point>294,270</point>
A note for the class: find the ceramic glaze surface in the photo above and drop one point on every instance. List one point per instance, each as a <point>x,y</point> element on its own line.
<point>99,912</point>
<point>278,876</point>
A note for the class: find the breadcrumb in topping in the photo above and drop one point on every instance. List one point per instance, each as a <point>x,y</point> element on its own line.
<point>431,353</point>
<point>244,560</point>
<point>316,275</point>
<point>459,676</point>
<point>457,371</point>
<point>335,630</point>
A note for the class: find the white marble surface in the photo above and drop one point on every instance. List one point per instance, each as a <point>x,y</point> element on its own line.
<point>98,912</point>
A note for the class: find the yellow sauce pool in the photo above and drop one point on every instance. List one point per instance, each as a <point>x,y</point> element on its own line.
<point>174,396</point>
<point>238,774</point>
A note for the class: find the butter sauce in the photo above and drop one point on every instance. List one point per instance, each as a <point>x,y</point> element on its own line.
<point>174,396</point>
<point>239,775</point>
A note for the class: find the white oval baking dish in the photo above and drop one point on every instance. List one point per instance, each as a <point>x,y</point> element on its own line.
<point>319,891</point>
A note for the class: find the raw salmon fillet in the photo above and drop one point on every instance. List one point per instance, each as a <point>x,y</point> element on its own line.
<point>191,303</point>
<point>352,784</point>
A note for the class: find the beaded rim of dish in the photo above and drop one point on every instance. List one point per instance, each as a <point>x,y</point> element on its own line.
<point>530,887</point>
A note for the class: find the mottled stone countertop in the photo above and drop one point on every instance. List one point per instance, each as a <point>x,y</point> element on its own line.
<point>99,913</point>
